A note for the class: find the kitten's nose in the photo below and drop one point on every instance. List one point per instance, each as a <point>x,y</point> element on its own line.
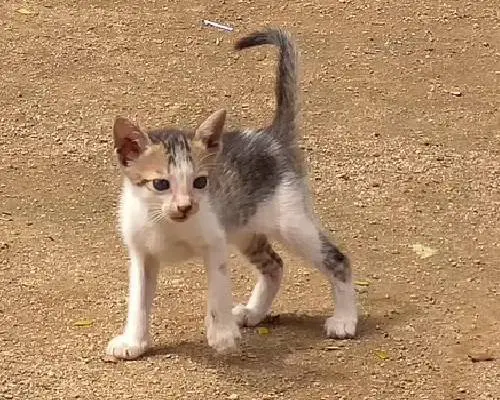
<point>184,209</point>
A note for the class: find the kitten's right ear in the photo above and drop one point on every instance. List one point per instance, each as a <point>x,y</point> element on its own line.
<point>129,141</point>
<point>210,131</point>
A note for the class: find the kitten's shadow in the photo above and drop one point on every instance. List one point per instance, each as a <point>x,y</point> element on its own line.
<point>286,334</point>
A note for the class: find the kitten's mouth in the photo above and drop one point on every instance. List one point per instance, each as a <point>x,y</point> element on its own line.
<point>179,218</point>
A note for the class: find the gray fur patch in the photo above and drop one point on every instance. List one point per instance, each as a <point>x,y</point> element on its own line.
<point>249,169</point>
<point>252,165</point>
<point>334,260</point>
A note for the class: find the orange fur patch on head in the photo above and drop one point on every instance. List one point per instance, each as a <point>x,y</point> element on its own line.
<point>152,164</point>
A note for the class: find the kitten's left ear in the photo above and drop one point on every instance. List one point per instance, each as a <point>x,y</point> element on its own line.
<point>211,130</point>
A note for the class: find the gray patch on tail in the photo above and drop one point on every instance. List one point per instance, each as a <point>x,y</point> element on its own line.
<point>286,88</point>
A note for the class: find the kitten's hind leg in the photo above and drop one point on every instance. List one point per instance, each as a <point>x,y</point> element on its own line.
<point>270,271</point>
<point>301,234</point>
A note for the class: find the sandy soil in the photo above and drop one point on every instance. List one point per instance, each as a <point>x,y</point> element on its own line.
<point>400,127</point>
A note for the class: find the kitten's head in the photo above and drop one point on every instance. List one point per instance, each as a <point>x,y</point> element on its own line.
<point>169,169</point>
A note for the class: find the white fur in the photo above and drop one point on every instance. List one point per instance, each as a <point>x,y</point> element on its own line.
<point>286,217</point>
<point>152,243</point>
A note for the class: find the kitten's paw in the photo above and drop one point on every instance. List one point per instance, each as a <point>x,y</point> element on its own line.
<point>223,337</point>
<point>245,316</point>
<point>341,327</point>
<point>126,348</point>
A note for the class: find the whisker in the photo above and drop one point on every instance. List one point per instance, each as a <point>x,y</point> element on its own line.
<point>205,157</point>
<point>157,218</point>
<point>215,164</point>
<point>155,215</point>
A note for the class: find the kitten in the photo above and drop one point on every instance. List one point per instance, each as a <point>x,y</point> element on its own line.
<point>194,193</point>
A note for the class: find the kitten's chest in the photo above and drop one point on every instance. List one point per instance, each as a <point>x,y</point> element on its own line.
<point>174,243</point>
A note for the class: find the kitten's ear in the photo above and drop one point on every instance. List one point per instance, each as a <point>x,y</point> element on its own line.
<point>129,141</point>
<point>210,130</point>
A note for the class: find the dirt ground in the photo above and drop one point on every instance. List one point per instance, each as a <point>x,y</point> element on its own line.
<point>401,130</point>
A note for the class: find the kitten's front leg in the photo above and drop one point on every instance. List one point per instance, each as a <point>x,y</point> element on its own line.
<point>222,330</point>
<point>134,340</point>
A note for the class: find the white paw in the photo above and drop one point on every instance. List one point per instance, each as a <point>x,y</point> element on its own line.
<point>245,316</point>
<point>223,337</point>
<point>126,348</point>
<point>341,327</point>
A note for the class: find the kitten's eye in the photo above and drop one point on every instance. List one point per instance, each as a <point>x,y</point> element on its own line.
<point>161,184</point>
<point>200,182</point>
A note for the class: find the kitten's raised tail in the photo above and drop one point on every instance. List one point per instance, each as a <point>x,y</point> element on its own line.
<point>286,88</point>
